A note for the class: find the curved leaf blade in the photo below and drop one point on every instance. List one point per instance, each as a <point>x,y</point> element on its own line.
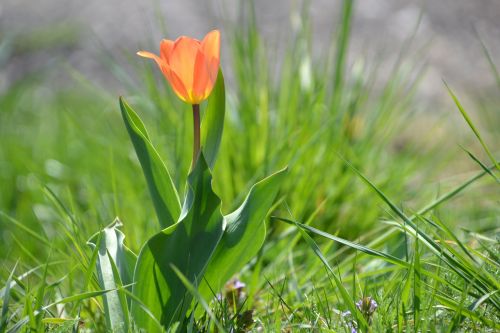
<point>187,245</point>
<point>161,187</point>
<point>213,121</point>
<point>115,264</point>
<point>244,234</point>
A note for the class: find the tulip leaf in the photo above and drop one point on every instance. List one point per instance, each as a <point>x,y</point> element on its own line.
<point>161,187</point>
<point>213,121</point>
<point>115,265</point>
<point>186,245</point>
<point>244,234</point>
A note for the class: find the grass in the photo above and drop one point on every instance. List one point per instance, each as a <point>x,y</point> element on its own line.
<point>369,208</point>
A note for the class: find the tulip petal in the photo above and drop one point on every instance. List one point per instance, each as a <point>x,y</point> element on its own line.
<point>201,78</point>
<point>166,46</point>
<point>178,86</point>
<point>149,55</point>
<point>182,59</point>
<point>210,45</point>
<point>159,61</point>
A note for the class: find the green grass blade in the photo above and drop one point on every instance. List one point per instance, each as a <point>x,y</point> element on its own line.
<point>482,299</point>
<point>65,300</point>
<point>349,302</point>
<point>447,196</point>
<point>386,257</point>
<point>198,297</point>
<point>417,288</point>
<point>26,229</point>
<point>481,283</point>
<point>6,300</point>
<point>471,125</point>
<point>492,64</point>
<point>481,164</point>
<point>450,234</point>
<point>429,207</point>
<point>453,305</point>
<point>342,50</point>
<point>92,262</point>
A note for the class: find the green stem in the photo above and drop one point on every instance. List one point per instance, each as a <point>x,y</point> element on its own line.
<point>196,133</point>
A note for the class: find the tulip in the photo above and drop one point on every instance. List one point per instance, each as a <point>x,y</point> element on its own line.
<point>191,68</point>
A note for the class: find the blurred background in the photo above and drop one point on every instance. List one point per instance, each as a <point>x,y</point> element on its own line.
<point>78,33</point>
<point>306,81</point>
<point>309,84</point>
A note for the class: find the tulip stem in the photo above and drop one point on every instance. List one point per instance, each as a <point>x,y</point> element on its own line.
<point>196,134</point>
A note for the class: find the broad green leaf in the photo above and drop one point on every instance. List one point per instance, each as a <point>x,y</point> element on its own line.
<point>160,184</point>
<point>187,245</point>
<point>213,121</point>
<point>244,234</point>
<point>115,265</point>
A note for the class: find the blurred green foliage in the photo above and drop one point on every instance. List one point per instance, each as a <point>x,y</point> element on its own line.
<point>59,130</point>
<point>67,167</point>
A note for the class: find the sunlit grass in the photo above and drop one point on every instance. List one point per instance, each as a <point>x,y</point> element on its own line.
<point>371,207</point>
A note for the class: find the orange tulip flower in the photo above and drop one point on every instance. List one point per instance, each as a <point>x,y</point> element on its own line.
<point>189,65</point>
